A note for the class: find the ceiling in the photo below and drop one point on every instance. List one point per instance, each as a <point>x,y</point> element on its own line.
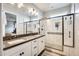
<point>50,6</point>
<point>43,7</point>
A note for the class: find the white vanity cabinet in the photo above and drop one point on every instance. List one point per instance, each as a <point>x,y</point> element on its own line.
<point>31,48</point>
<point>21,50</point>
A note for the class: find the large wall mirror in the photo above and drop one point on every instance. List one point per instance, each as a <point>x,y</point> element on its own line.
<point>13,27</point>
<point>10,27</point>
<point>33,27</point>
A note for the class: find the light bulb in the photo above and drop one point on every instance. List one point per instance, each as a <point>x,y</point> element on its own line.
<point>30,10</point>
<point>34,12</point>
<point>20,5</point>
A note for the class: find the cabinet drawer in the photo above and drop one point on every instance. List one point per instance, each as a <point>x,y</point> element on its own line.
<point>34,51</point>
<point>34,43</point>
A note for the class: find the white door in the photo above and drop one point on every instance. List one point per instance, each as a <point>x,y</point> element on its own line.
<point>68,30</point>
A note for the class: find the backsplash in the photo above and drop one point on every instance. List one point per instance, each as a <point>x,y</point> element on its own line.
<point>18,36</point>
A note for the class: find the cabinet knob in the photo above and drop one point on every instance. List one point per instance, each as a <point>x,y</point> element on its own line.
<point>35,54</point>
<point>35,47</point>
<point>20,54</point>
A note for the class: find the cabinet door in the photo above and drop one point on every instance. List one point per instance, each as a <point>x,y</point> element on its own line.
<point>41,44</point>
<point>68,30</point>
<point>19,53</point>
<point>21,50</point>
<point>27,50</point>
<point>35,47</point>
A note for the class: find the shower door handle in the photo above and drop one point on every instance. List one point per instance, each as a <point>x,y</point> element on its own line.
<point>69,34</point>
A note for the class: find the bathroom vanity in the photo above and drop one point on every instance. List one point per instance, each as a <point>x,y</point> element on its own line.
<point>24,46</point>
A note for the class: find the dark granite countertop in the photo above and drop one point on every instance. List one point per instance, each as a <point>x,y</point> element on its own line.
<point>7,44</point>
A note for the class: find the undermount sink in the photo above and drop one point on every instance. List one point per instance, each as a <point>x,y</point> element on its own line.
<point>16,41</point>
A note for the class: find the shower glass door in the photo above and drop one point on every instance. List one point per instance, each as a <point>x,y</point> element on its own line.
<point>54,33</point>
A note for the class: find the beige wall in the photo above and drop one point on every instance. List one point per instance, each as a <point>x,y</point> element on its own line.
<point>1,39</point>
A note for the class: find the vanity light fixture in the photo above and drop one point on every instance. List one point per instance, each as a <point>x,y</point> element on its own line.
<point>32,11</point>
<point>36,14</point>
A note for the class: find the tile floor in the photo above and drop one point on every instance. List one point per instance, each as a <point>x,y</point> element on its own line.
<point>47,53</point>
<point>52,52</point>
